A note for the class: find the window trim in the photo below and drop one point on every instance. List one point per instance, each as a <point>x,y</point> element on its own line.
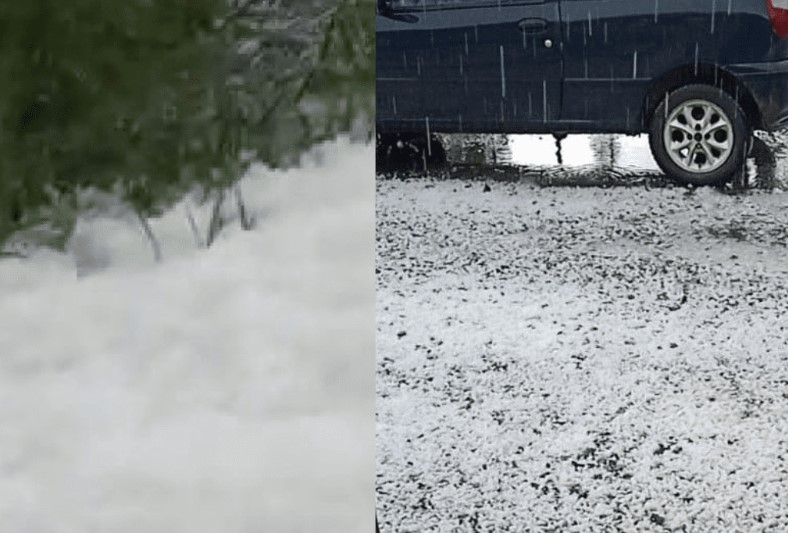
<point>460,4</point>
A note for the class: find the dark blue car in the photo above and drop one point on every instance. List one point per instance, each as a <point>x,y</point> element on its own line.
<point>697,75</point>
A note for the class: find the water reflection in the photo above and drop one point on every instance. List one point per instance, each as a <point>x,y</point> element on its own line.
<point>603,160</point>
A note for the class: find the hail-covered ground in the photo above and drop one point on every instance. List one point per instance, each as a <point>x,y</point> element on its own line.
<point>586,359</point>
<point>224,389</point>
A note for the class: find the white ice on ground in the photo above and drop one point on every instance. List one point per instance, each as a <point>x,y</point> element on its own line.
<point>226,389</point>
<point>580,359</point>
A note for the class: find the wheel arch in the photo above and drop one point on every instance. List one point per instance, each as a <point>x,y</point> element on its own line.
<point>706,74</point>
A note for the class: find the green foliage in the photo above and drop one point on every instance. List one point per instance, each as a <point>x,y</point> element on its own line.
<point>308,74</point>
<point>93,93</point>
<point>345,76</point>
<point>150,98</point>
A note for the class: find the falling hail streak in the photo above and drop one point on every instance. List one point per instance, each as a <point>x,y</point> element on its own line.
<point>635,65</point>
<point>612,80</point>
<point>503,76</point>
<point>713,14</point>
<point>697,57</point>
<point>544,99</point>
<point>429,143</point>
<point>667,104</point>
<point>656,11</point>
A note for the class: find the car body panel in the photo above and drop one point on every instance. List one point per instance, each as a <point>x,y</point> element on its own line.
<point>471,66</point>
<point>614,50</point>
<point>399,85</point>
<point>471,69</point>
<point>768,83</point>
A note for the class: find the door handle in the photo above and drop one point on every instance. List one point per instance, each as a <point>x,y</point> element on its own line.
<point>532,26</point>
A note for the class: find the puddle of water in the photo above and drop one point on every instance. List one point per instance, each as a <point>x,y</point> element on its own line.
<point>601,151</point>
<point>610,158</point>
<point>601,160</point>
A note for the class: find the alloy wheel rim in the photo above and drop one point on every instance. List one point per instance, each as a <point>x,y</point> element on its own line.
<point>698,136</point>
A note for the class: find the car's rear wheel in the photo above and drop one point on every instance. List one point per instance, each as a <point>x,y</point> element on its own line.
<point>699,135</point>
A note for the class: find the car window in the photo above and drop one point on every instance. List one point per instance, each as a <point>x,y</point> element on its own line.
<point>420,5</point>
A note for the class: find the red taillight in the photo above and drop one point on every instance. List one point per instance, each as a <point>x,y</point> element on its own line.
<point>778,13</point>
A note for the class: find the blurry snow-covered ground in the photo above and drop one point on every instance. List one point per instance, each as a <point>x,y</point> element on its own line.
<point>225,389</point>
<point>580,359</point>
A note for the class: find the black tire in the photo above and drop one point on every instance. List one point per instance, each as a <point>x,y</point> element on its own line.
<point>766,163</point>
<point>408,151</point>
<point>705,163</point>
<point>435,154</point>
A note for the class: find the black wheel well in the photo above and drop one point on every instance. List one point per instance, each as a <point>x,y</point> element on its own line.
<point>702,74</point>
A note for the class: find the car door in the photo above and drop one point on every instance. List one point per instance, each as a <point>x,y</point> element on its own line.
<point>614,50</point>
<point>610,47</point>
<point>398,80</point>
<point>482,65</point>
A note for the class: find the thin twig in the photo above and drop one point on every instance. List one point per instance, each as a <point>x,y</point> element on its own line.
<point>247,222</point>
<point>193,226</point>
<point>154,242</point>
<point>217,223</point>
